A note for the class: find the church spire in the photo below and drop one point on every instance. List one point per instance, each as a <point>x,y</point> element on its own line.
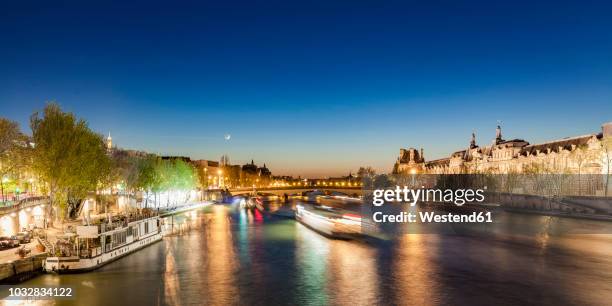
<point>473,141</point>
<point>109,141</point>
<point>498,134</point>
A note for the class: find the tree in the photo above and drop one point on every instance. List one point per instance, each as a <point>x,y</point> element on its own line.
<point>366,175</point>
<point>13,151</point>
<point>174,177</point>
<point>607,152</point>
<point>579,155</point>
<point>70,158</point>
<point>366,172</point>
<point>125,170</point>
<point>146,176</point>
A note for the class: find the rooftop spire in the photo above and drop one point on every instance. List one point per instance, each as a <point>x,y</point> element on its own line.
<point>473,140</point>
<point>498,133</point>
<point>109,141</point>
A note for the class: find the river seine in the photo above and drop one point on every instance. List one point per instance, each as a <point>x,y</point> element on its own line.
<point>227,256</point>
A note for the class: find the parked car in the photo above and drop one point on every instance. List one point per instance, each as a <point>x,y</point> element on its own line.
<point>4,243</point>
<point>16,241</point>
<point>24,237</point>
<point>9,242</point>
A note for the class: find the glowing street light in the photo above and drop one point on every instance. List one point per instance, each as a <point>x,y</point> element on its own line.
<point>4,181</point>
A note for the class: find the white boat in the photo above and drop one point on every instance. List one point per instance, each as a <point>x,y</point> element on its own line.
<point>96,245</point>
<point>329,222</point>
<point>180,209</point>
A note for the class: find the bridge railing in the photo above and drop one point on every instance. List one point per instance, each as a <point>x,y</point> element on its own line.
<point>24,203</point>
<point>293,188</point>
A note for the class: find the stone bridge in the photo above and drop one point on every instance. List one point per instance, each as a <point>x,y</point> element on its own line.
<point>280,191</point>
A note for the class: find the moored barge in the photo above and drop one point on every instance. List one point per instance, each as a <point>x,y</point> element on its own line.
<point>93,246</point>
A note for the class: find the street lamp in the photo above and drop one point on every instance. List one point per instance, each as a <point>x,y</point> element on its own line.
<point>4,181</point>
<point>31,180</point>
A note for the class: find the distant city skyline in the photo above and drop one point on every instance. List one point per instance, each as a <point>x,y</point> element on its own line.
<point>315,89</point>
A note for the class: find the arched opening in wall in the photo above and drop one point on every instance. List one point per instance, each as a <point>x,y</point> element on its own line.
<point>38,215</point>
<point>6,226</point>
<point>23,220</point>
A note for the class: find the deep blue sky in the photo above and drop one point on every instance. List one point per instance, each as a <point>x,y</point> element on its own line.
<point>311,88</point>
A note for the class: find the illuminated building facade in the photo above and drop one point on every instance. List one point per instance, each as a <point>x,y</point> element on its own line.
<point>575,155</point>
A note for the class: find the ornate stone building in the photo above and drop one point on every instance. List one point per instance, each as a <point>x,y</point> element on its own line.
<point>578,155</point>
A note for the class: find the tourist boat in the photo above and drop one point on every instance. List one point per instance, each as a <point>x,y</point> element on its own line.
<point>254,202</point>
<point>183,208</point>
<point>328,221</point>
<point>93,246</point>
<point>258,203</point>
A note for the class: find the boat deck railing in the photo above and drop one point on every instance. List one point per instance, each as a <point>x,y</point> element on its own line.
<point>122,221</point>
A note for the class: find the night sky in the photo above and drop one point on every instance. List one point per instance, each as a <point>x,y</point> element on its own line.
<point>311,88</point>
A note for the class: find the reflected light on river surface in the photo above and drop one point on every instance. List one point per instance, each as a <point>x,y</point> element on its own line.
<point>415,270</point>
<point>171,281</point>
<point>220,265</point>
<point>351,273</point>
<point>235,256</point>
<point>311,259</point>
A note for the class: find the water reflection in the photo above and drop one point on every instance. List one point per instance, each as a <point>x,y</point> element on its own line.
<point>171,278</point>
<point>219,261</point>
<point>415,270</point>
<point>352,274</point>
<point>311,256</point>
<point>237,256</point>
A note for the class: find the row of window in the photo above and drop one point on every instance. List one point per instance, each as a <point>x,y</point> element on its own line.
<point>119,238</point>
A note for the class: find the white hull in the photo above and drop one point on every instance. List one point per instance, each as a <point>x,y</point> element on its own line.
<point>75,264</point>
<point>333,227</point>
<point>320,224</point>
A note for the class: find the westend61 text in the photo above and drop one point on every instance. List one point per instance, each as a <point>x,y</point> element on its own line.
<point>432,217</point>
<point>412,196</point>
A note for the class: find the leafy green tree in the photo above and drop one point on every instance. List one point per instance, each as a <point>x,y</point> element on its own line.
<point>70,158</point>
<point>174,176</point>
<point>147,178</point>
<point>14,153</point>
<point>185,176</point>
<point>125,170</point>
